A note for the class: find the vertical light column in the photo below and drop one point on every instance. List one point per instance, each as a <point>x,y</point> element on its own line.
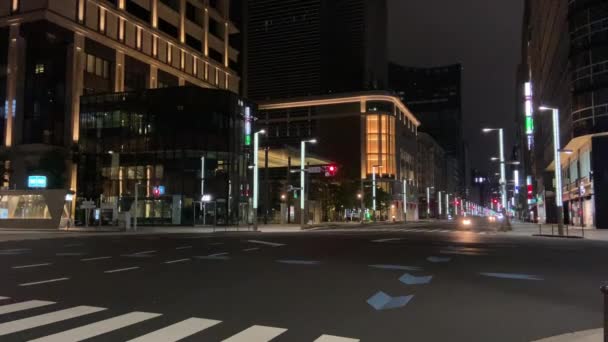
<point>302,182</point>
<point>447,204</point>
<point>226,38</point>
<point>428,202</point>
<point>182,21</point>
<point>404,200</point>
<point>154,13</point>
<point>439,203</point>
<point>206,32</point>
<point>77,79</point>
<point>14,6</point>
<point>153,78</point>
<point>121,4</point>
<point>119,72</point>
<point>80,12</point>
<point>503,179</point>
<point>374,188</point>
<point>11,81</point>
<point>559,202</point>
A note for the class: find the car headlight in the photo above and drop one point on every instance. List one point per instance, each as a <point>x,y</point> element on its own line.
<point>466,222</point>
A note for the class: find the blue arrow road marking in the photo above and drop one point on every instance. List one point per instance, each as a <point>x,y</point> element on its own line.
<point>382,301</point>
<point>438,259</point>
<point>396,267</point>
<point>409,279</point>
<point>512,276</point>
<point>299,262</point>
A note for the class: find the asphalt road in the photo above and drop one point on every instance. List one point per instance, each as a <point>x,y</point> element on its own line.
<point>432,283</point>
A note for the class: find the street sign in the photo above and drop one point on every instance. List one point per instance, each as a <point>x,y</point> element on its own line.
<point>87,205</point>
<point>315,169</point>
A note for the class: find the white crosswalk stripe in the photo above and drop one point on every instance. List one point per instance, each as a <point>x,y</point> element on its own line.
<point>331,338</point>
<point>177,331</point>
<point>98,328</point>
<point>45,319</point>
<point>30,304</point>
<point>31,266</point>
<point>170,333</point>
<point>256,333</point>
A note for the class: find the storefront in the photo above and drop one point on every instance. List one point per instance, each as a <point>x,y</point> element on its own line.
<point>153,144</point>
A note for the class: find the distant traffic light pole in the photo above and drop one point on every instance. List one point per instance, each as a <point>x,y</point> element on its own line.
<point>303,180</point>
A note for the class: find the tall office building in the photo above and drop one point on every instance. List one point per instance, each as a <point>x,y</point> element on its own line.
<point>55,51</point>
<point>565,66</point>
<point>315,47</point>
<point>434,96</point>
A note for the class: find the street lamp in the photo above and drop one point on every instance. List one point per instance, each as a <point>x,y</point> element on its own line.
<point>303,179</point>
<point>374,187</point>
<point>558,169</point>
<point>503,180</point>
<point>256,147</point>
<point>428,201</point>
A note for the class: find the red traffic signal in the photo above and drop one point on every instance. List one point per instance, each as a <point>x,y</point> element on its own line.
<point>330,170</point>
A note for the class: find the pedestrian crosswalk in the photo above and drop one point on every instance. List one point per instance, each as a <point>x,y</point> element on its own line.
<point>120,323</point>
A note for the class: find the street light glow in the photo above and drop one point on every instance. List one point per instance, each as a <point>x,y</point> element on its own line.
<point>488,130</point>
<point>545,108</point>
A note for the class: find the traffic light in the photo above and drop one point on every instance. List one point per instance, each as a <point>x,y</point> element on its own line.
<point>330,170</point>
<point>156,191</point>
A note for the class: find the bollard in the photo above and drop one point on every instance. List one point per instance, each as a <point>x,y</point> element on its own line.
<point>605,292</point>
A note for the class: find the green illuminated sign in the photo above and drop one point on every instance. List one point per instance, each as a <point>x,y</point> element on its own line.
<point>529,125</point>
<point>248,140</point>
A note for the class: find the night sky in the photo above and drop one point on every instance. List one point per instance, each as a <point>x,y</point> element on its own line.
<point>484,36</point>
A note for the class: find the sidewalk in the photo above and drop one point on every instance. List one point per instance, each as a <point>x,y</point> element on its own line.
<point>594,335</point>
<point>530,229</point>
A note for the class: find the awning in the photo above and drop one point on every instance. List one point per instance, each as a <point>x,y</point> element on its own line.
<point>574,145</point>
<point>278,158</point>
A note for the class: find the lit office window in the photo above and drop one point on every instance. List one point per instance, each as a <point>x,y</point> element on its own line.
<point>169,53</point>
<point>102,20</point>
<point>39,69</point>
<point>380,143</point>
<point>155,46</point>
<point>194,66</point>
<point>138,37</point>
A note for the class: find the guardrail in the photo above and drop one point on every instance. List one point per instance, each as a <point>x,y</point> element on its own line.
<point>554,228</point>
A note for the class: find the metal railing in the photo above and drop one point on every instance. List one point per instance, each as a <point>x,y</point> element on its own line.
<point>566,230</point>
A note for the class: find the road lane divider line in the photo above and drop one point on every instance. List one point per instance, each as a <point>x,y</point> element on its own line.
<point>299,262</point>
<point>332,338</point>
<point>388,240</point>
<point>256,333</point>
<point>69,254</point>
<point>516,276</point>
<point>177,331</point>
<point>217,254</point>
<point>122,269</point>
<point>96,258</point>
<point>267,243</point>
<point>176,261</point>
<point>2,298</point>
<point>30,304</point>
<point>98,328</point>
<point>45,319</point>
<point>44,282</point>
<point>31,266</point>
<point>183,247</point>
<point>251,249</point>
<point>396,267</point>
<point>144,252</point>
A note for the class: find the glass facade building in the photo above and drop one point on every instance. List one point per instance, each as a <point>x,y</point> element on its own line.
<point>156,138</point>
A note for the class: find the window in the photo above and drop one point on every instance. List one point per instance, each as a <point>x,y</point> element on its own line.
<point>97,66</point>
<point>39,69</point>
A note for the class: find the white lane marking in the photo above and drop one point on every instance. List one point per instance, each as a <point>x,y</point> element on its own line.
<point>176,261</point>
<point>468,253</point>
<point>388,240</point>
<point>250,249</point>
<point>512,276</point>
<point>217,254</point>
<point>299,262</point>
<point>177,331</point>
<point>69,254</point>
<point>122,269</point>
<point>273,244</point>
<point>30,304</point>
<point>1,298</point>
<point>183,247</point>
<point>331,338</point>
<point>216,243</point>
<point>44,282</point>
<point>96,258</point>
<point>396,267</point>
<point>256,333</point>
<point>98,328</point>
<point>144,252</point>
<point>14,251</point>
<point>74,245</point>
<point>33,265</point>
<point>45,319</point>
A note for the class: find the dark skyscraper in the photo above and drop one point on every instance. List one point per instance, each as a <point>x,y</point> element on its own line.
<point>434,96</point>
<point>313,47</point>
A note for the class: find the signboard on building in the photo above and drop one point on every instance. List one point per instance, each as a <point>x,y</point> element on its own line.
<point>36,182</point>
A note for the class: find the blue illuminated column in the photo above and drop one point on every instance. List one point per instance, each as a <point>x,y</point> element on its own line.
<point>256,147</point>
<point>558,169</point>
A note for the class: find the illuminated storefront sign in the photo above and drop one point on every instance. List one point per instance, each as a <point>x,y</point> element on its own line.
<point>529,114</point>
<point>248,120</point>
<point>36,182</point>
